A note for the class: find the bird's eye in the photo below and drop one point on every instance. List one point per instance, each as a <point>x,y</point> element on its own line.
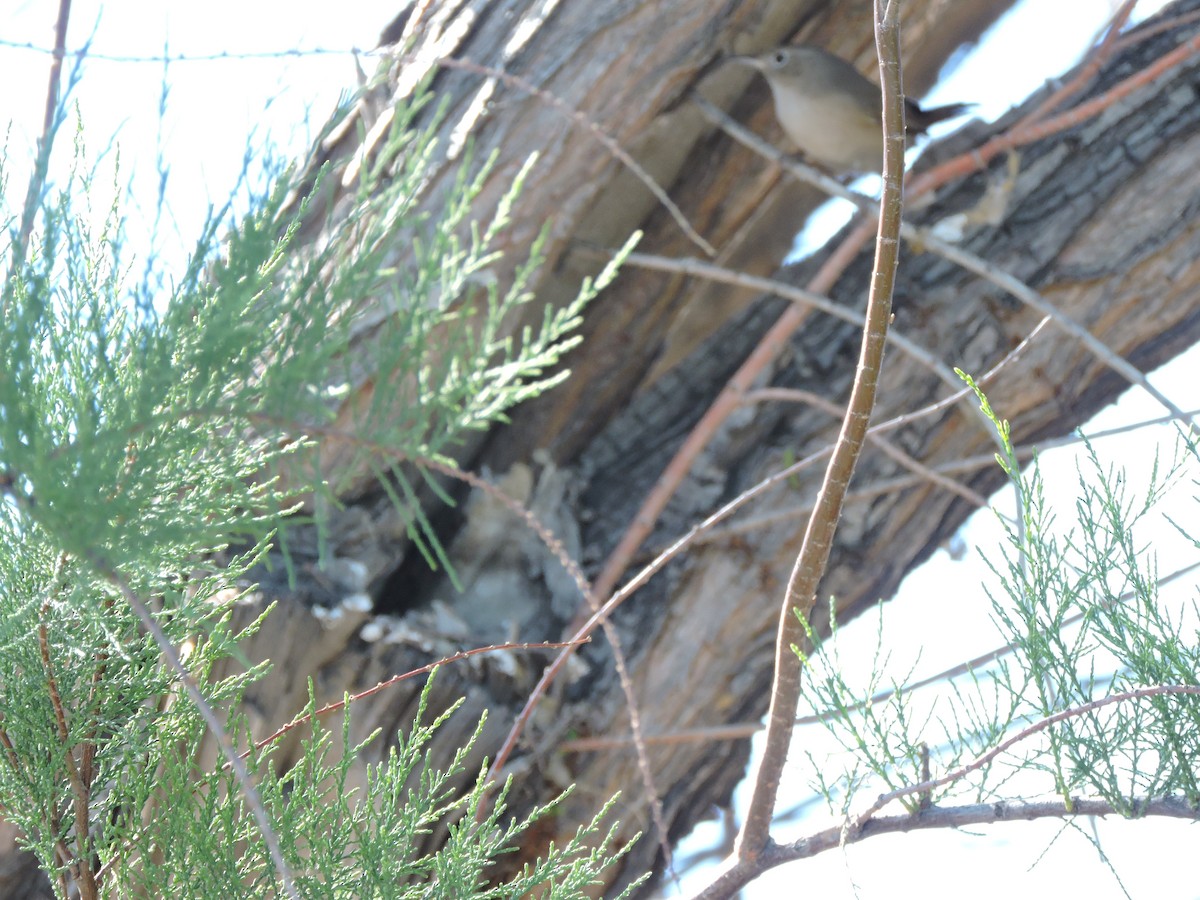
<point>780,57</point>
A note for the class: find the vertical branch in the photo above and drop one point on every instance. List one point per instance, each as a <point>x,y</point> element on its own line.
<point>818,539</point>
<point>80,866</point>
<point>45,143</point>
<point>60,51</point>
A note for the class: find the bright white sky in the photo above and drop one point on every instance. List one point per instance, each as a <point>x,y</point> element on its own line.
<point>1041,859</point>
<point>214,106</point>
<point>214,109</point>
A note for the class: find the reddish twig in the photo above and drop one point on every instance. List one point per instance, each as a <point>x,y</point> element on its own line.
<point>588,626</point>
<point>55,76</point>
<point>396,679</point>
<point>1149,30</point>
<point>1091,67</point>
<point>925,239</point>
<point>646,517</point>
<point>730,399</point>
<point>1022,735</point>
<point>981,157</point>
<point>81,870</point>
<point>571,566</point>
<point>45,145</point>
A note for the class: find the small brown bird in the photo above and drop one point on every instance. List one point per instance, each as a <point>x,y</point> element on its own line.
<point>830,111</point>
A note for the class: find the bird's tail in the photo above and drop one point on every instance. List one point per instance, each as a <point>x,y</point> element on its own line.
<point>918,120</point>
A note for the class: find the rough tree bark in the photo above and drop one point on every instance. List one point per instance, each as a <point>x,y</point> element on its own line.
<point>1100,219</point>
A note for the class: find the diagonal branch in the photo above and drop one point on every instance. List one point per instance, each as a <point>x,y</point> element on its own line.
<point>925,239</point>
<point>946,817</point>
<point>1024,734</point>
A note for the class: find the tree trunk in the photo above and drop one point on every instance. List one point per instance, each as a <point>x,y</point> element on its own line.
<point>1099,220</point>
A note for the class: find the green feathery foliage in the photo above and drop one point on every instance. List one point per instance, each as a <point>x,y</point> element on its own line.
<point>1095,690</point>
<point>141,434</point>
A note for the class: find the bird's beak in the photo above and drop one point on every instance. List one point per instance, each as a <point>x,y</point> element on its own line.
<point>752,61</point>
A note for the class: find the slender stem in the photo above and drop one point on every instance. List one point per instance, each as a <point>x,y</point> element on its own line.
<point>216,728</point>
<point>41,165</point>
<point>813,558</point>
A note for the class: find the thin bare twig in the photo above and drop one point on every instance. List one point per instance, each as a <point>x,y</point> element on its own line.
<point>45,144</point>
<point>888,448</point>
<point>532,522</point>
<point>741,730</point>
<point>889,485</point>
<point>813,558</point>
<point>979,158</point>
<point>396,679</point>
<point>614,638</point>
<point>1022,735</point>
<point>714,272</point>
<point>1033,299</point>
<point>215,727</point>
<point>925,239</point>
<point>942,817</point>
<point>1091,67</point>
<point>610,143</point>
<point>587,626</point>
<point>1148,30</point>
<point>729,400</point>
<point>570,565</point>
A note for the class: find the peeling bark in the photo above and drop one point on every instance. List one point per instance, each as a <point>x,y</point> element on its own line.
<point>1100,220</point>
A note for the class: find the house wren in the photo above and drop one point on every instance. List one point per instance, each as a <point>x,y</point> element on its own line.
<point>830,111</point>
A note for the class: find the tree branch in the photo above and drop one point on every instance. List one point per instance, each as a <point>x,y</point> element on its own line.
<point>810,566</point>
